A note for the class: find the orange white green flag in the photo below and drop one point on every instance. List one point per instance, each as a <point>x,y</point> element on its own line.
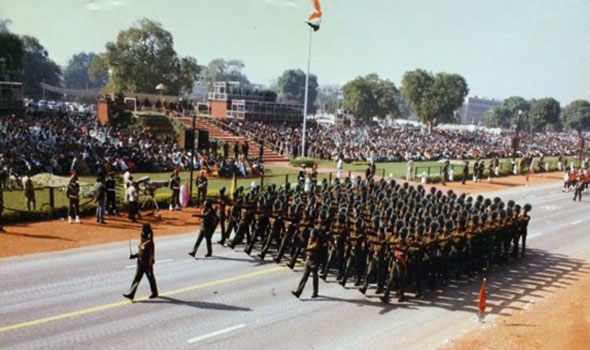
<point>316,17</point>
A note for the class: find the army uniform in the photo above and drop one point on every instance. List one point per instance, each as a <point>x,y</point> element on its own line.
<point>338,233</point>
<point>277,225</point>
<point>207,229</point>
<point>398,266</point>
<point>73,193</point>
<point>201,188</point>
<point>355,254</point>
<point>111,195</point>
<point>311,266</point>
<point>291,227</point>
<point>243,229</point>
<point>233,219</point>
<point>145,263</point>
<point>376,261</point>
<point>261,224</point>
<point>301,238</point>
<point>175,187</point>
<point>221,213</point>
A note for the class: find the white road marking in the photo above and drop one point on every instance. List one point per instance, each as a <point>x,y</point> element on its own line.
<point>157,262</point>
<point>577,222</point>
<point>536,234</point>
<point>216,333</point>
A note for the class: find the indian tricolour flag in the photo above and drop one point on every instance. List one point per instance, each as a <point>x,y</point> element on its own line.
<point>316,17</point>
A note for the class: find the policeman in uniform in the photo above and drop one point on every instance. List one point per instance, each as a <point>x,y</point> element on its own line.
<point>145,262</point>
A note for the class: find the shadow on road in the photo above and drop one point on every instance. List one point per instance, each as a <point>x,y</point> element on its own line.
<point>510,286</point>
<point>196,304</point>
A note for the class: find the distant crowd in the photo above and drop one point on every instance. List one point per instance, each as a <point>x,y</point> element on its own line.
<point>74,141</point>
<point>386,143</point>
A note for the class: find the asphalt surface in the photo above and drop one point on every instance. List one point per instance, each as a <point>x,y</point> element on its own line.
<point>72,299</point>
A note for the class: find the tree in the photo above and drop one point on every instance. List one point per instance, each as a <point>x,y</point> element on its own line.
<point>497,117</point>
<point>327,100</point>
<point>434,99</point>
<point>12,50</point>
<point>76,74</point>
<point>405,111</point>
<point>142,57</point>
<point>226,70</point>
<point>36,68</point>
<point>544,112</point>
<point>369,96</point>
<point>576,116</point>
<point>291,87</point>
<point>4,23</point>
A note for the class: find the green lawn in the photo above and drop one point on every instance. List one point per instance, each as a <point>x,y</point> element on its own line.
<point>274,175</point>
<point>399,168</point>
<point>279,175</point>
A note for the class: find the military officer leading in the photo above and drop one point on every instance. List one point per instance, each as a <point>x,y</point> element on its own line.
<point>145,262</point>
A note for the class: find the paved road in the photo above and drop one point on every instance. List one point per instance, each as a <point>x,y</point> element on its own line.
<point>72,299</point>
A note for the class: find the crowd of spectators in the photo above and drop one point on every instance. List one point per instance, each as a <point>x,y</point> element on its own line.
<point>386,143</point>
<point>72,141</point>
<point>69,141</point>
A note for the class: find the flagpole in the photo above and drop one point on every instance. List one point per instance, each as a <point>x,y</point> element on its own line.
<point>306,91</point>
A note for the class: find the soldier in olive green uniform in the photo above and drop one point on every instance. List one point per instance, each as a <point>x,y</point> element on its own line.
<point>311,265</point>
<point>145,262</point>
<point>207,228</point>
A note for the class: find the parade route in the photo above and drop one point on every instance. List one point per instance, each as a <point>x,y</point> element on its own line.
<point>72,298</point>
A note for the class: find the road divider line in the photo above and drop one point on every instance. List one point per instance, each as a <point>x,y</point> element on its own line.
<point>216,333</point>
<point>577,222</point>
<point>127,302</point>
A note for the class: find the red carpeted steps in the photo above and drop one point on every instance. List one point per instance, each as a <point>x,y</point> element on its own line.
<point>217,133</point>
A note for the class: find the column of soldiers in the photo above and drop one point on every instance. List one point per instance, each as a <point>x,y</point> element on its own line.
<point>394,236</point>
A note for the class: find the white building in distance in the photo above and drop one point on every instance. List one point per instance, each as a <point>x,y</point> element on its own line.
<point>474,108</point>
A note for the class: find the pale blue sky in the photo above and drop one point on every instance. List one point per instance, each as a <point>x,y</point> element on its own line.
<point>532,48</point>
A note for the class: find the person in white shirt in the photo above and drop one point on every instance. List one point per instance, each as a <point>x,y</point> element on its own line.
<point>126,182</point>
<point>133,198</point>
<point>340,167</point>
<point>410,169</point>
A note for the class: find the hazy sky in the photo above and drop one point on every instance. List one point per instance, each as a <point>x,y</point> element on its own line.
<point>532,48</point>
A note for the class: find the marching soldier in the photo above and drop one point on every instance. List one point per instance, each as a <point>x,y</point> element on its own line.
<point>221,212</point>
<point>376,263</point>
<point>523,226</point>
<point>311,265</point>
<point>337,245</point>
<point>234,217</point>
<point>277,225</point>
<point>207,228</point>
<point>202,183</point>
<point>355,253</point>
<point>145,262</point>
<point>398,268</point>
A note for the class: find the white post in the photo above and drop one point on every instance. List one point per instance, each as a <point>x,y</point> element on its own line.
<point>305,99</point>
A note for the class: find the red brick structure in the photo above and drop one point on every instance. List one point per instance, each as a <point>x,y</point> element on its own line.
<point>229,100</point>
